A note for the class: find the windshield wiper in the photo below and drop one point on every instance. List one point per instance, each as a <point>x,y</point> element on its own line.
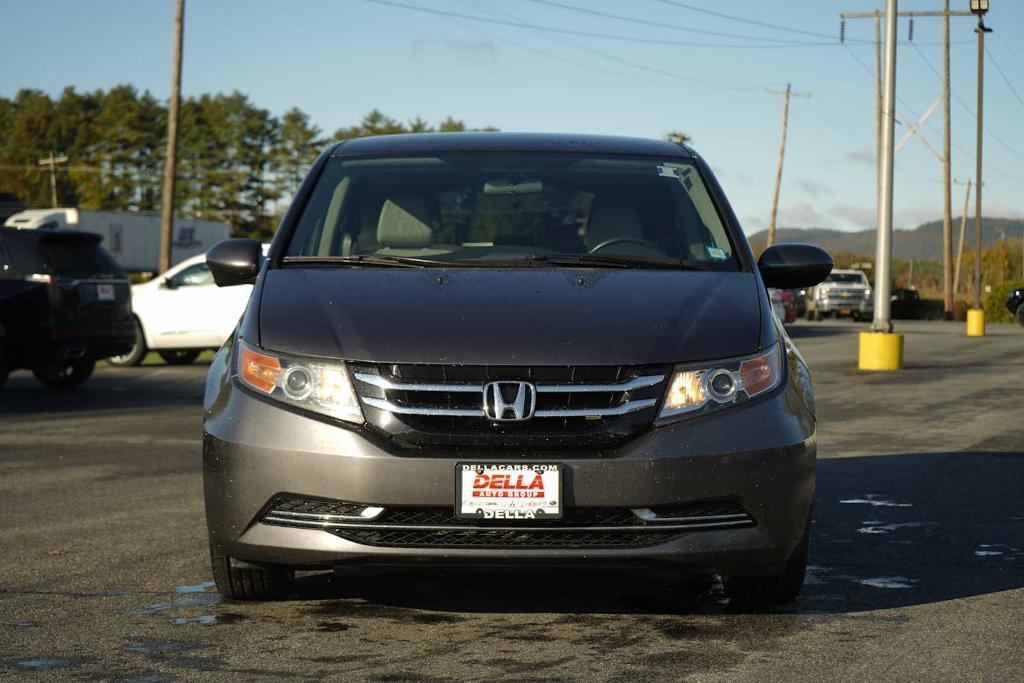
<point>618,261</point>
<point>364,260</point>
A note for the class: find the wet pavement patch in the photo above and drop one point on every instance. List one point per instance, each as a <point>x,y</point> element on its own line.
<point>203,587</point>
<point>887,582</point>
<point>191,599</point>
<point>204,620</point>
<point>42,664</point>
<point>875,500</point>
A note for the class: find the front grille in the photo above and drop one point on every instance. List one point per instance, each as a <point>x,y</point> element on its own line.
<point>438,527</point>
<point>444,405</point>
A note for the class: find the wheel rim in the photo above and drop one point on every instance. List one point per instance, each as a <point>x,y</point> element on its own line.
<point>123,358</point>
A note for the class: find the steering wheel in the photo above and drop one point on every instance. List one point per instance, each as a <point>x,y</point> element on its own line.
<point>626,240</point>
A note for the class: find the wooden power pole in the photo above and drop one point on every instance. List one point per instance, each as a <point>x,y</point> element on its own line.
<point>787,93</point>
<point>53,161</point>
<point>963,230</point>
<point>171,164</point>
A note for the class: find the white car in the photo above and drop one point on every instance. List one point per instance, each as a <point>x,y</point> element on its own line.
<point>182,312</point>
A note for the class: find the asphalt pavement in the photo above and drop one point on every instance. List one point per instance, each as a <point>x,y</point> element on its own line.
<point>917,551</point>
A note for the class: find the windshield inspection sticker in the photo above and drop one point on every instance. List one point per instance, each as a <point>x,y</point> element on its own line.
<point>670,170</point>
<point>716,253</point>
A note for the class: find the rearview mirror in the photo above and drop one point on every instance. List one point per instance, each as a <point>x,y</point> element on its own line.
<point>785,266</point>
<point>235,261</point>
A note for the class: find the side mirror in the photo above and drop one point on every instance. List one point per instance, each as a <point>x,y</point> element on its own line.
<point>235,261</point>
<point>786,266</point>
<point>168,283</point>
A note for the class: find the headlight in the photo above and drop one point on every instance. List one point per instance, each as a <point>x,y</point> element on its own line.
<point>321,386</point>
<point>867,292</point>
<point>716,385</point>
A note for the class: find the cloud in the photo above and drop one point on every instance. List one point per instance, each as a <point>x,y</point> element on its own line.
<point>813,188</point>
<point>861,216</point>
<point>473,52</point>
<point>862,156</point>
<point>800,215</point>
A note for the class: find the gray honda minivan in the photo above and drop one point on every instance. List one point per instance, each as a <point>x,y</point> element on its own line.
<point>485,349</point>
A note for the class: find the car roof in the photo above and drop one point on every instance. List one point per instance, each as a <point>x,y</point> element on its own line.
<point>50,233</point>
<point>440,143</point>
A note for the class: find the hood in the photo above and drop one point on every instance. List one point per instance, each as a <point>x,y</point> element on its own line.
<point>519,316</point>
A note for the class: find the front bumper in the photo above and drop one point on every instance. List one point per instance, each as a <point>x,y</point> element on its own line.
<point>761,455</point>
<point>846,306</point>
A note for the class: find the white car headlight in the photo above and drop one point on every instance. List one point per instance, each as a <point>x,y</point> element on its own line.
<point>314,384</point>
<point>718,384</point>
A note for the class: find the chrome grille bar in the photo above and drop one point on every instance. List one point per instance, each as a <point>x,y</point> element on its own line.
<point>627,407</point>
<point>631,385</point>
<point>385,383</point>
<point>384,404</point>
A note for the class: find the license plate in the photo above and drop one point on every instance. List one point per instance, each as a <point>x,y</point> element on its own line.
<point>104,292</point>
<point>508,491</point>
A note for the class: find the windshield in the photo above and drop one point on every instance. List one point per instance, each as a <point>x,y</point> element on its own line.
<point>848,278</point>
<point>513,209</point>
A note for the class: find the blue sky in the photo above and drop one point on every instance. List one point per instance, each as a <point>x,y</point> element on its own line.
<point>337,60</point>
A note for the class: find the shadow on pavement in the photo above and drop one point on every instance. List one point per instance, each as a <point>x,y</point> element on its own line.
<point>815,330</point>
<point>138,388</point>
<point>889,532</point>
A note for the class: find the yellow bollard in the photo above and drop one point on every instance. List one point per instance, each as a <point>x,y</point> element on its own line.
<point>975,322</point>
<point>880,351</point>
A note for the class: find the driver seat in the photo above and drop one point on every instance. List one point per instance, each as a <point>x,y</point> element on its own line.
<point>609,220</point>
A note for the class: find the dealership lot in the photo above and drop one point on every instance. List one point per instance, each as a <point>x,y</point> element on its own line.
<point>917,551</point>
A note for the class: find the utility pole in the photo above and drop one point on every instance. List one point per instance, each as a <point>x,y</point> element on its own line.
<point>787,93</point>
<point>883,253</point>
<point>52,161</point>
<point>170,167</point>
<point>981,31</point>
<point>947,220</point>
<point>963,231</point>
<point>947,186</point>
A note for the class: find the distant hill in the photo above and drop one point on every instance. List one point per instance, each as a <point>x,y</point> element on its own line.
<point>923,242</point>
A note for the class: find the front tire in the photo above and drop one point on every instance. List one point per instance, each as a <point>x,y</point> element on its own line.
<point>66,376</point>
<point>179,356</point>
<point>778,589</point>
<point>250,583</point>
<point>136,354</point>
<point>1020,315</point>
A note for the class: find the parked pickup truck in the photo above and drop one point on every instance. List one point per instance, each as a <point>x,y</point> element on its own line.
<point>844,292</point>
<point>907,304</point>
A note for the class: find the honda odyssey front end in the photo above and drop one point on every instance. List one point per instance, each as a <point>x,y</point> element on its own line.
<point>481,349</point>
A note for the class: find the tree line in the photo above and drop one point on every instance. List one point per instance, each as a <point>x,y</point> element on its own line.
<point>237,162</point>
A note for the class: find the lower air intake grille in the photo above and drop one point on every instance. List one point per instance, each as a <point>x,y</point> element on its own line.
<point>506,538</point>
<point>438,527</point>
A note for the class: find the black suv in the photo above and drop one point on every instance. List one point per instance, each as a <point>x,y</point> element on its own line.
<point>64,303</point>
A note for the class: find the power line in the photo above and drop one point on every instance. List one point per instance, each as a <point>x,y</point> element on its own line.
<point>658,72</point>
<point>585,34</point>
<point>744,20</point>
<point>971,111</point>
<point>656,24</point>
<point>1005,79</point>
<point>908,110</point>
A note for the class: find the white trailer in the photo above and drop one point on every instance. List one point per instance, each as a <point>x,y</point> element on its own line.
<point>133,239</point>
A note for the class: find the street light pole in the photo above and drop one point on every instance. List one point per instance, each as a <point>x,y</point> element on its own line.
<point>883,255</point>
<point>981,31</point>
